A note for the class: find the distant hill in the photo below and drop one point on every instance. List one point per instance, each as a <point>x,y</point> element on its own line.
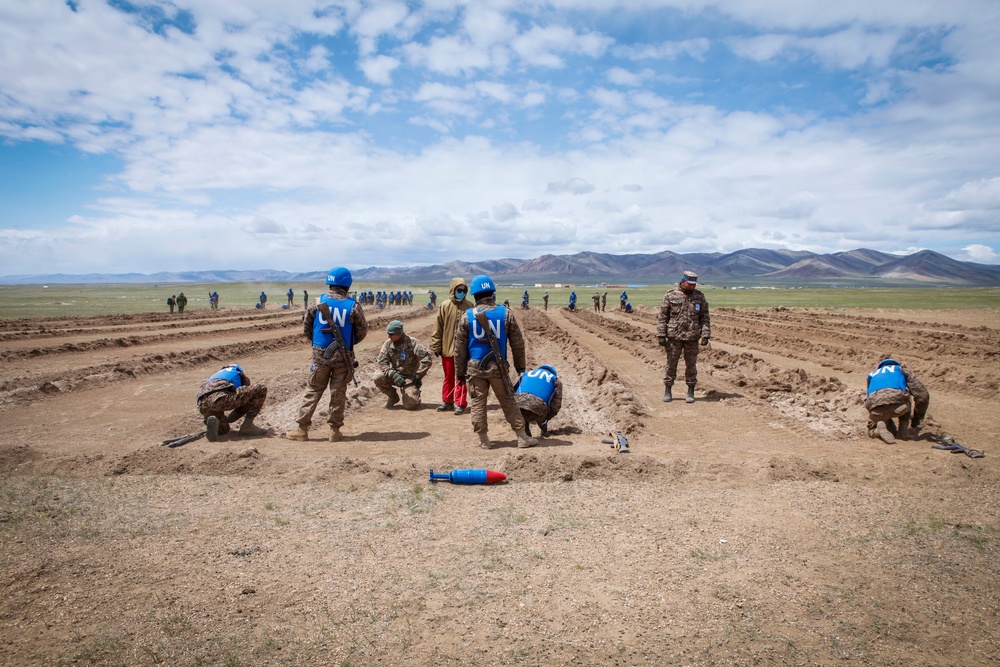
<point>751,265</point>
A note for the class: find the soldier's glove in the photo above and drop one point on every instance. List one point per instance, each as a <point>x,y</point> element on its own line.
<point>704,341</point>
<point>662,340</point>
<point>397,378</point>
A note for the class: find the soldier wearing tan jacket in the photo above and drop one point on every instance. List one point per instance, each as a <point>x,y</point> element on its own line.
<point>453,389</point>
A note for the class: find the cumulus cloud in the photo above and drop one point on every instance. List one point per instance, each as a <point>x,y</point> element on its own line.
<point>262,225</point>
<point>575,186</point>
<point>982,254</point>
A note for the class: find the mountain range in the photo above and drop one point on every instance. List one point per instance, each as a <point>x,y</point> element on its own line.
<point>751,265</point>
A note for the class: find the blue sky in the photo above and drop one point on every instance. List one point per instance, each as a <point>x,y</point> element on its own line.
<point>297,135</point>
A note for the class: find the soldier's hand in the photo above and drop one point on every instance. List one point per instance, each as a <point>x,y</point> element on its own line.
<point>704,341</point>
<point>662,340</point>
<point>397,378</point>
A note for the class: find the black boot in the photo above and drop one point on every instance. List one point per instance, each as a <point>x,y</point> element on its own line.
<point>667,393</point>
<point>690,396</point>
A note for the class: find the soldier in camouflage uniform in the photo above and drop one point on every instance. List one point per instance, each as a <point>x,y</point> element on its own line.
<point>890,387</point>
<point>604,302</point>
<point>539,397</point>
<point>597,302</point>
<point>682,321</point>
<point>331,364</point>
<point>403,362</point>
<point>230,390</point>
<point>473,360</point>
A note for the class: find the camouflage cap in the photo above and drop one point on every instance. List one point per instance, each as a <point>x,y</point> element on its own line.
<point>690,277</point>
<point>395,327</point>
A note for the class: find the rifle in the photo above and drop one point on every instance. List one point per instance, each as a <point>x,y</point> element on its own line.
<point>495,352</point>
<point>338,340</point>
<point>182,440</point>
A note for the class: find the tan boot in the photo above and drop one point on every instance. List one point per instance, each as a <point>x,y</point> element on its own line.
<point>249,428</point>
<point>391,400</point>
<point>300,433</point>
<point>335,434</point>
<point>885,434</point>
<point>524,440</point>
<point>484,441</point>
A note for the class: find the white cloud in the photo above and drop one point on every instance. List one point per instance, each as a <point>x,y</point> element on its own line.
<point>982,254</point>
<point>379,69</point>
<point>575,185</point>
<point>262,225</point>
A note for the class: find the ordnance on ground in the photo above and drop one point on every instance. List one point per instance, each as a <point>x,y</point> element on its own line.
<point>182,440</point>
<point>618,441</point>
<point>469,476</point>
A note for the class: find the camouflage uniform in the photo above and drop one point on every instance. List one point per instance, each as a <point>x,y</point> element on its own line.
<point>538,410</point>
<point>597,302</point>
<point>604,302</point>
<point>409,357</point>
<point>683,319</point>
<point>481,379</point>
<point>884,405</point>
<point>217,396</point>
<point>332,372</point>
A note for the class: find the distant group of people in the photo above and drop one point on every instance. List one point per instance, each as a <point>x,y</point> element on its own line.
<point>178,300</point>
<point>472,338</point>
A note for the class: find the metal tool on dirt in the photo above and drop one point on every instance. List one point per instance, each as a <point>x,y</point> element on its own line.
<point>618,441</point>
<point>182,440</point>
<point>469,476</point>
<point>948,444</point>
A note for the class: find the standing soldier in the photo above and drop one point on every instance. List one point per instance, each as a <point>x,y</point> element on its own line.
<point>545,300</point>
<point>597,302</point>
<point>402,362</point>
<point>453,388</point>
<point>539,397</point>
<point>889,389</point>
<point>572,300</point>
<point>476,360</point>
<point>182,302</point>
<point>305,299</point>
<point>334,326</point>
<point>683,319</point>
<point>604,301</point>
<point>171,300</point>
<point>230,389</point>
<point>291,297</point>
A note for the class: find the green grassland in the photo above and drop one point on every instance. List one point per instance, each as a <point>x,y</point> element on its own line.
<point>21,301</point>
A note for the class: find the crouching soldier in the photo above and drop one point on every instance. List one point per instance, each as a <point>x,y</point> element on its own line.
<point>403,362</point>
<point>539,397</point>
<point>890,387</point>
<point>230,390</point>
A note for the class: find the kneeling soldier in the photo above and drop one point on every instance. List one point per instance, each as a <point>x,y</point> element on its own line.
<point>230,389</point>
<point>889,389</point>
<point>403,362</point>
<point>539,396</point>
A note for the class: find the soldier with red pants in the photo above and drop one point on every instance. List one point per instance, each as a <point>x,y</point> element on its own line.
<point>331,362</point>
<point>230,390</point>
<point>475,360</point>
<point>683,321</point>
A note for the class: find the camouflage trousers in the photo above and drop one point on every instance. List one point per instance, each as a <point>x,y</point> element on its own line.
<point>410,393</point>
<point>243,402</point>
<point>479,389</point>
<point>320,377</point>
<point>533,409</point>
<point>689,348</point>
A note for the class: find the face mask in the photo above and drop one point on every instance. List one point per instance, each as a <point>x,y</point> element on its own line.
<point>459,295</point>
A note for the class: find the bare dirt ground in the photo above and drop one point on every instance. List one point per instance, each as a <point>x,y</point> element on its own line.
<point>759,525</point>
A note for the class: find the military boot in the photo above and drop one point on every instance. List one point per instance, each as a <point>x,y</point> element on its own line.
<point>391,400</point>
<point>335,434</point>
<point>212,428</point>
<point>300,433</point>
<point>484,441</point>
<point>249,428</point>
<point>883,432</point>
<point>904,429</point>
<point>524,440</point>
<point>668,393</point>
<point>690,396</point>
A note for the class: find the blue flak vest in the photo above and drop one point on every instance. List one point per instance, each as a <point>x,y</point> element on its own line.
<point>538,382</point>
<point>340,310</point>
<point>229,374</point>
<point>887,377</point>
<point>479,344</point>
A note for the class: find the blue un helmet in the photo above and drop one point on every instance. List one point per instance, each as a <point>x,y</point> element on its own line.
<point>340,277</point>
<point>481,285</point>
<point>550,369</point>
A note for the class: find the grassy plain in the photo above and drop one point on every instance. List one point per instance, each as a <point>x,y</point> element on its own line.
<point>21,301</point>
